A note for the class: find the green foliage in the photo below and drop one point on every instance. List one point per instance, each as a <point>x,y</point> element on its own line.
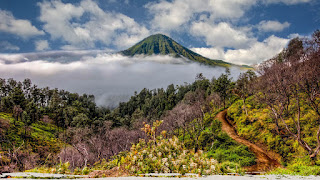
<point>164,156</point>
<point>81,120</point>
<point>161,44</point>
<point>41,138</point>
<point>223,86</point>
<point>85,171</point>
<point>229,167</point>
<point>300,166</point>
<point>160,155</point>
<point>152,104</point>
<point>223,148</point>
<point>61,168</point>
<point>259,126</point>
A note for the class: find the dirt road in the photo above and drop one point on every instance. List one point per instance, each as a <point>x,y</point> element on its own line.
<point>265,160</point>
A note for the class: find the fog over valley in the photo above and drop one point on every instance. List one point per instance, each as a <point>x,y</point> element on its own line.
<point>112,78</point>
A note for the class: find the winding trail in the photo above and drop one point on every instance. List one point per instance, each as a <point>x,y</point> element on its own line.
<point>265,160</point>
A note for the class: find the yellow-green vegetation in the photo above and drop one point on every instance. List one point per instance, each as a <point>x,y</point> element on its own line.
<point>38,135</point>
<point>161,155</point>
<point>259,127</point>
<point>299,166</point>
<point>61,168</point>
<point>39,139</point>
<point>165,156</point>
<point>220,146</point>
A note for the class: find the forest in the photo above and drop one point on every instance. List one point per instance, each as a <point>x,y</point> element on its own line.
<point>172,129</point>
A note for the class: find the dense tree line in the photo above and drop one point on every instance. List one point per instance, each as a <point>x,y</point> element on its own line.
<point>184,110</point>
<point>30,103</point>
<point>32,107</point>
<point>96,133</point>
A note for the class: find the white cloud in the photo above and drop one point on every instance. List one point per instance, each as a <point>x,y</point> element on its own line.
<point>222,34</point>
<point>222,9</point>
<point>272,26</point>
<point>111,78</point>
<point>287,2</point>
<point>5,46</point>
<point>168,16</point>
<point>20,27</point>
<point>212,53</point>
<point>256,53</point>
<point>295,35</point>
<point>84,25</point>
<point>42,45</point>
<point>58,56</point>
<point>12,58</point>
<point>172,15</point>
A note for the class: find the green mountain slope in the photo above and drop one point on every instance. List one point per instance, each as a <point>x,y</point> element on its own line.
<point>161,44</point>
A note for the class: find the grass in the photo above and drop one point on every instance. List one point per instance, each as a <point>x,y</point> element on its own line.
<point>40,138</point>
<point>297,170</point>
<point>161,155</point>
<point>221,147</point>
<point>259,127</point>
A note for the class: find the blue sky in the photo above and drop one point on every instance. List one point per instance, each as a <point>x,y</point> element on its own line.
<point>238,31</point>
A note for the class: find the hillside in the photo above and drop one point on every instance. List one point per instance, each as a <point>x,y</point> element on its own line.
<point>164,45</point>
<point>207,127</point>
<point>22,147</point>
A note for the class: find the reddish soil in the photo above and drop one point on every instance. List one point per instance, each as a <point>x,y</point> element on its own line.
<point>266,160</point>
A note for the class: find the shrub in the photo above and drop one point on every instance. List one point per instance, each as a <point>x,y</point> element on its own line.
<point>160,155</point>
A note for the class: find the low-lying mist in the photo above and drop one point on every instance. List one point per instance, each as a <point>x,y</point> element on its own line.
<point>112,78</point>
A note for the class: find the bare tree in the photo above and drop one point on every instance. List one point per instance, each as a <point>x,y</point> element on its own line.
<point>90,145</point>
<point>243,87</point>
<point>292,80</point>
<point>17,112</point>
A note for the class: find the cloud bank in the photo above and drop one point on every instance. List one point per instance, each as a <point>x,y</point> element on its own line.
<point>224,27</point>
<point>256,53</point>
<point>110,77</point>
<point>85,24</point>
<point>272,26</point>
<point>20,27</point>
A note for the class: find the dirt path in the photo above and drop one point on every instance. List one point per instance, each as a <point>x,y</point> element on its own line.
<point>265,160</point>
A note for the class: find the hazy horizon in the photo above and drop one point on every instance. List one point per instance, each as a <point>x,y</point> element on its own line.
<point>112,78</point>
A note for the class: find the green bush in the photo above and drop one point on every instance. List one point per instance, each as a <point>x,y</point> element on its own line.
<point>165,156</point>
<point>61,168</point>
<point>160,155</point>
<point>229,167</point>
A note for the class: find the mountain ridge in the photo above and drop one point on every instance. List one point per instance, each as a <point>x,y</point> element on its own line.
<point>164,45</point>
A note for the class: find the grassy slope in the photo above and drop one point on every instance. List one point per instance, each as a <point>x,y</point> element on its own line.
<point>259,127</point>
<point>161,44</point>
<point>41,138</point>
<point>220,146</point>
<point>216,144</point>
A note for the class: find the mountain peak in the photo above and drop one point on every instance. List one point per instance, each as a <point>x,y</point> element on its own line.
<point>164,45</point>
<point>158,35</point>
